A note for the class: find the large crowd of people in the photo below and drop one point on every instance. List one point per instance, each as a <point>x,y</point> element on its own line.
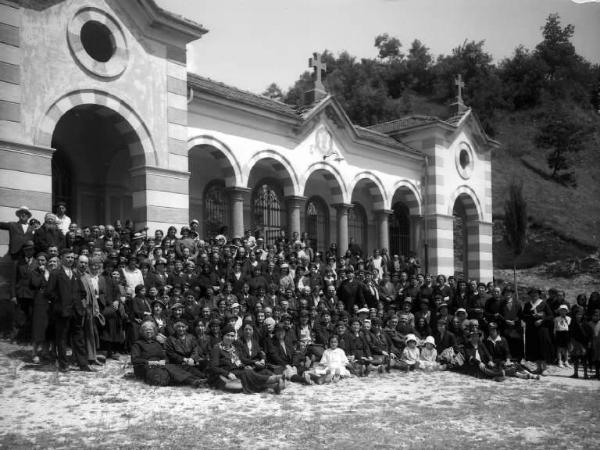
<point>239,314</point>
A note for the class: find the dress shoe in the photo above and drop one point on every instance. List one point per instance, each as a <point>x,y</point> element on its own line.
<point>95,363</point>
<point>87,369</point>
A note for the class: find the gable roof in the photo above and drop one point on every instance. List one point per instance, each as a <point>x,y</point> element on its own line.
<point>303,115</point>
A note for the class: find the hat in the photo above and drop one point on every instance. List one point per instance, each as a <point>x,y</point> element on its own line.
<point>442,322</point>
<point>28,244</point>
<point>137,236</point>
<point>177,305</point>
<point>408,300</point>
<point>563,306</point>
<point>363,311</point>
<point>235,305</point>
<point>158,300</point>
<point>534,290</point>
<point>430,340</point>
<point>443,305</point>
<point>220,237</point>
<point>459,310</point>
<point>180,322</point>
<point>24,209</point>
<point>410,337</point>
<point>493,325</point>
<point>227,329</point>
<point>49,217</point>
<point>195,221</point>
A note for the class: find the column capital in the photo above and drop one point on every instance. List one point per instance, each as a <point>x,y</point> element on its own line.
<point>299,199</point>
<point>385,212</point>
<point>237,191</point>
<point>342,207</point>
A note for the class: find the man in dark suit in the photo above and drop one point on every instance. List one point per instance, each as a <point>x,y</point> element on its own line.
<point>443,337</point>
<point>351,292</point>
<point>18,232</point>
<point>66,293</point>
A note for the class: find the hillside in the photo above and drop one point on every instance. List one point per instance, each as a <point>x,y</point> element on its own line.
<point>565,221</point>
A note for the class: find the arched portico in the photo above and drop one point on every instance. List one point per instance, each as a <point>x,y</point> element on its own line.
<point>405,221</point>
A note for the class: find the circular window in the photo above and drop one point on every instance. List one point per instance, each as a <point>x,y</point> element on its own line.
<point>97,41</point>
<point>464,160</point>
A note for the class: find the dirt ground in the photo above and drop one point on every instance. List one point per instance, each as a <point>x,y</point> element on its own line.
<point>44,409</point>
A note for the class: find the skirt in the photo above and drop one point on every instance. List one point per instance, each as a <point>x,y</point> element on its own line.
<point>562,339</point>
<point>39,320</point>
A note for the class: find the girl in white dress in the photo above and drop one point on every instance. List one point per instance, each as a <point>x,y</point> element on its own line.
<point>333,362</point>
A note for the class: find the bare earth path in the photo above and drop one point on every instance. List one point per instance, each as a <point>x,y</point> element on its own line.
<point>41,409</point>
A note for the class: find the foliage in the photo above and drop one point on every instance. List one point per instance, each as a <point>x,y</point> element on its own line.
<point>273,91</point>
<point>384,87</point>
<point>515,219</point>
<point>562,133</point>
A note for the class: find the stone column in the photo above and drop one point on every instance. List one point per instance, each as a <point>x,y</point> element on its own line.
<point>383,230</point>
<point>440,239</point>
<point>294,206</point>
<point>480,263</point>
<point>416,236</point>
<point>342,226</point>
<point>236,200</point>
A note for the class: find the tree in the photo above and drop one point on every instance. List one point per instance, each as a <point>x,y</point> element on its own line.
<point>515,225</point>
<point>389,47</point>
<point>556,50</point>
<point>273,91</point>
<point>523,78</point>
<point>418,66</point>
<point>562,133</point>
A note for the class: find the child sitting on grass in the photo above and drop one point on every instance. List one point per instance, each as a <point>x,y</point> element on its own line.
<point>428,361</point>
<point>410,358</point>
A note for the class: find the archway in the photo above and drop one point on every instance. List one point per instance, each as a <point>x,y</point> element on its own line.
<point>465,234</point>
<point>317,223</point>
<point>404,228</point>
<point>211,173</point>
<point>271,181</point>
<point>368,199</point>
<point>91,165</point>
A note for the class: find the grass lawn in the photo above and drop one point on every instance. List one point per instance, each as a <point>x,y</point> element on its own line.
<point>44,409</point>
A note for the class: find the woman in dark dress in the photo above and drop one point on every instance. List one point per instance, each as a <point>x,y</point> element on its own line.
<point>511,311</point>
<point>249,350</point>
<point>149,361</point>
<point>227,369</point>
<point>38,281</point>
<point>112,305</point>
<point>538,319</point>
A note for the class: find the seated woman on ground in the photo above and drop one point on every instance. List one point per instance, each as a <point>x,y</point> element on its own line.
<point>249,350</point>
<point>227,370</point>
<point>478,361</point>
<point>182,349</point>
<point>149,361</point>
<point>498,349</point>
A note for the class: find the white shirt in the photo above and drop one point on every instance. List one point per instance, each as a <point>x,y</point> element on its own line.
<point>63,223</point>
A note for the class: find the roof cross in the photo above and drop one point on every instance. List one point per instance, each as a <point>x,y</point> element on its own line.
<point>461,84</point>
<point>319,66</point>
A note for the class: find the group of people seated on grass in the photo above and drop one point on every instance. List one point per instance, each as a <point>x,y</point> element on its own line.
<point>241,314</point>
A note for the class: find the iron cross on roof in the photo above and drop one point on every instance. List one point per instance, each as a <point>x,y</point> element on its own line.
<point>319,66</point>
<point>461,84</point>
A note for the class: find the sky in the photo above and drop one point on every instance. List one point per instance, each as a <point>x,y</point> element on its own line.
<point>252,43</point>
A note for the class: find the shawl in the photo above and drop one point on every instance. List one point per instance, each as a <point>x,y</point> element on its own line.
<point>233,356</point>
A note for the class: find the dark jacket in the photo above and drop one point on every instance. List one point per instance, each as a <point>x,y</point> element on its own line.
<point>16,236</point>
<point>351,293</point>
<point>66,295</point>
<point>249,357</point>
<point>179,348</point>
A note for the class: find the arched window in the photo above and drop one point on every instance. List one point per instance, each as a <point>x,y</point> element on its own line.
<point>216,209</point>
<point>400,230</point>
<point>266,212</point>
<point>317,223</point>
<point>357,226</point>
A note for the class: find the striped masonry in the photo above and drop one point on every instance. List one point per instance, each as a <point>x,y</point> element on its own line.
<point>134,131</point>
<point>335,181</point>
<point>10,71</point>
<point>228,164</point>
<point>406,193</point>
<point>177,109</point>
<point>440,238</point>
<point>284,171</point>
<point>374,186</point>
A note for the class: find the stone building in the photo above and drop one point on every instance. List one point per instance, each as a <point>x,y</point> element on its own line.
<point>97,109</point>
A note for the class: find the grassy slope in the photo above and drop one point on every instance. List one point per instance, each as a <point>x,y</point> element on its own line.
<point>560,211</point>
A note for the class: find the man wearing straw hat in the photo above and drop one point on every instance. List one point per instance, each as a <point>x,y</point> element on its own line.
<point>18,232</point>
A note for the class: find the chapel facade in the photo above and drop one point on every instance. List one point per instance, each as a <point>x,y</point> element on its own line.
<point>97,109</point>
